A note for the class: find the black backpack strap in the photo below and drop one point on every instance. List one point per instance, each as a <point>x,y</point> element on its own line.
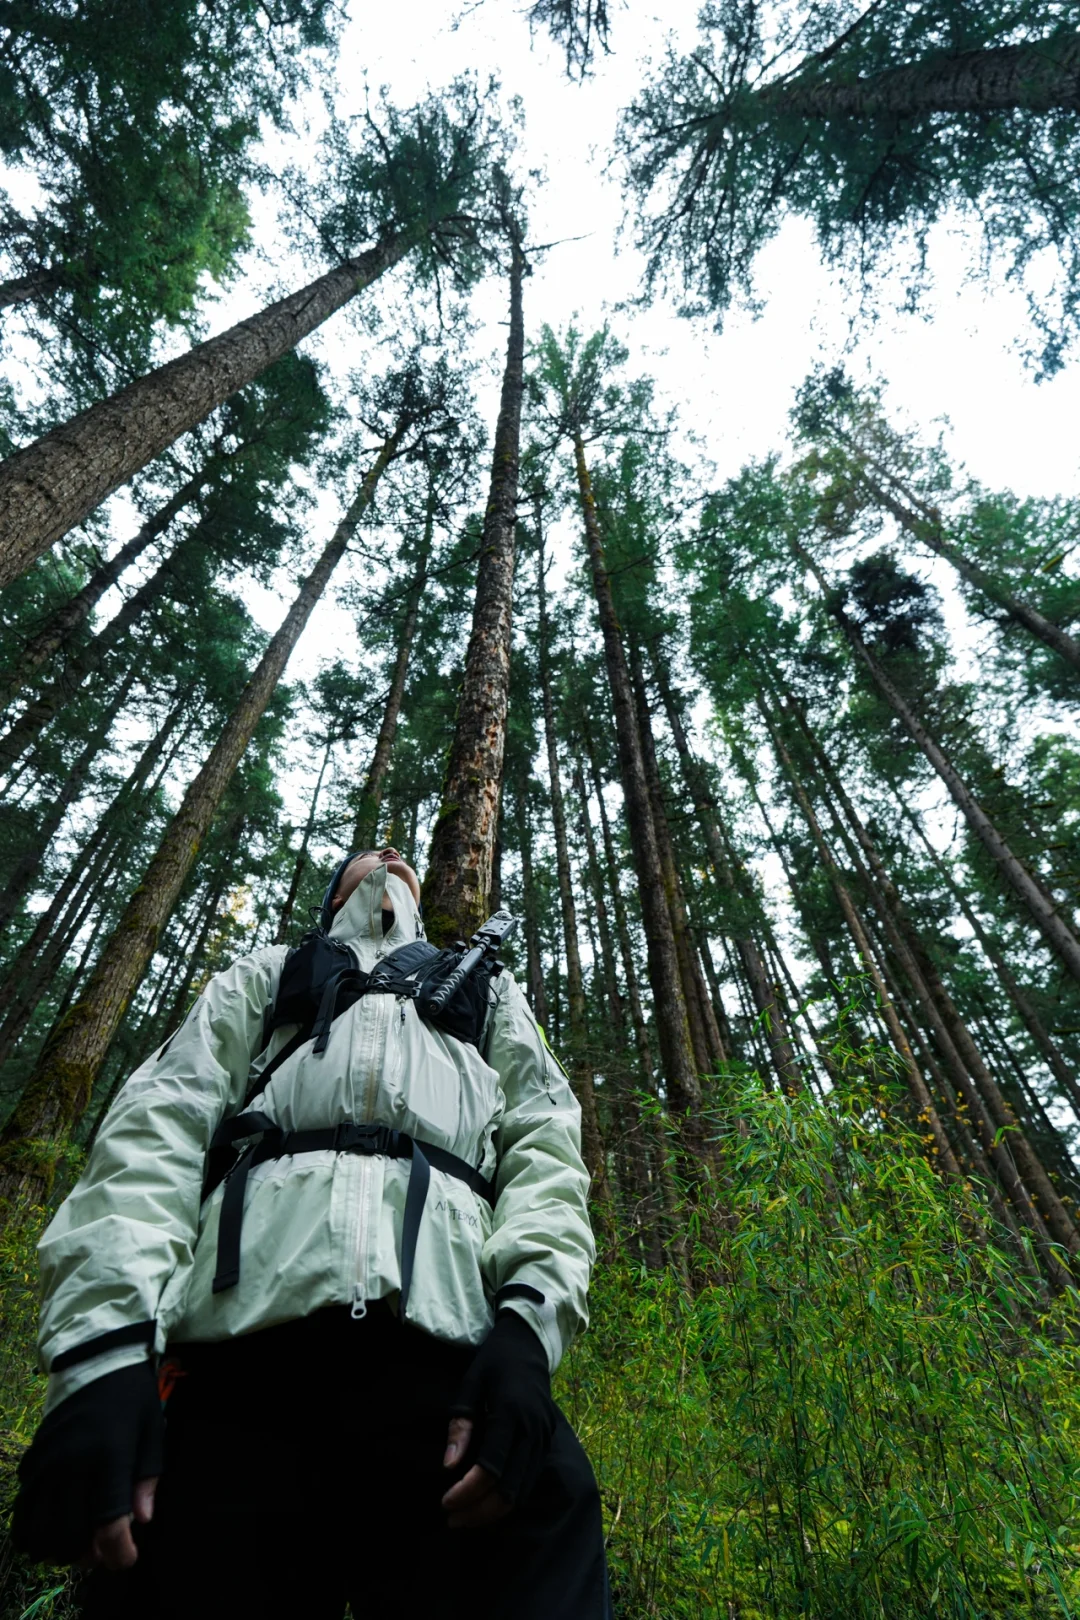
<point>347,979</point>
<point>222,1156</point>
<point>344,1138</point>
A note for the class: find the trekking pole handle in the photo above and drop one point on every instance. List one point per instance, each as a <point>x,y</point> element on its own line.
<point>442,995</point>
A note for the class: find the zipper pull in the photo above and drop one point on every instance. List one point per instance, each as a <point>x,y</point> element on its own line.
<point>401,1004</point>
<point>359,1306</point>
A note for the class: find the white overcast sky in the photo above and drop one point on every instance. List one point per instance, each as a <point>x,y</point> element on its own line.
<point>734,389</point>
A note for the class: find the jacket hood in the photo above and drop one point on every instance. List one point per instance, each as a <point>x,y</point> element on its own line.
<point>361,915</point>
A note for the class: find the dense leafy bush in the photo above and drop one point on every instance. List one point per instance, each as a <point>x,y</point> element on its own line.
<point>863,1413</point>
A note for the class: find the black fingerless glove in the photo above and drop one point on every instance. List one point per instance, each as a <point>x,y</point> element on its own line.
<point>507,1393</point>
<point>82,1465</point>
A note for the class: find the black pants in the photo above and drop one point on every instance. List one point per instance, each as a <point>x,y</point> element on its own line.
<point>304,1470</point>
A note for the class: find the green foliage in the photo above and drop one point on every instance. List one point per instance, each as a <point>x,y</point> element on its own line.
<point>24,1591</point>
<point>577,26</point>
<point>426,171</point>
<point>751,127</point>
<point>859,1411</point>
<point>137,121</point>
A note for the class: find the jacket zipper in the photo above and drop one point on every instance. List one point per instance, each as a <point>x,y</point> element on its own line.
<point>358,1309</point>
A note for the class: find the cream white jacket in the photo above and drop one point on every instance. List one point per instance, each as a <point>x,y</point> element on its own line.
<point>134,1242</point>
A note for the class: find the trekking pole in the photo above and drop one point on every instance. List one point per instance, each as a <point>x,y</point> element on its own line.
<point>485,942</point>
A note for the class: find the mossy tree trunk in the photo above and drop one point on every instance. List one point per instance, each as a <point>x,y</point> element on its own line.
<point>49,486</point>
<point>458,878</point>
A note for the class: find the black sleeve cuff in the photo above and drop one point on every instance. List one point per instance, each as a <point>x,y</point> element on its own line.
<point>131,1333</point>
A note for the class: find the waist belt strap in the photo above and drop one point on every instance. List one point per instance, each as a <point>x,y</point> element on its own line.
<point>344,1138</point>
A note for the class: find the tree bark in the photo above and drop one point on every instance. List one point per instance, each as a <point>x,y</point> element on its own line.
<point>669,1003</point>
<point>622,924</point>
<point>54,483</point>
<point>999,1124</point>
<point>60,1087</point>
<point>458,877</point>
<point>1036,76</point>
<point>33,966</point>
<point>1053,1058</point>
<point>534,971</point>
<point>926,1112</point>
<point>301,854</point>
<point>630,1145</point>
<point>1021,1175</point>
<point>198,950</point>
<point>1036,902</point>
<point>62,624</point>
<point>367,822</point>
<point>89,658</point>
<point>22,289</point>
<point>704,1034</point>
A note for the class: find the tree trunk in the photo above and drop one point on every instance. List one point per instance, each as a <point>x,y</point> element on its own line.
<point>458,877</point>
<point>969,1148</point>
<point>21,878</point>
<point>1036,76</point>
<point>953,1037</point>
<point>1053,1058</point>
<point>926,527</point>
<point>53,484</point>
<point>1020,1175</point>
<point>704,1035</point>
<point>534,972</point>
<point>1036,902</point>
<point>60,1086</point>
<point>198,950</point>
<point>630,1145</point>
<point>90,888</point>
<point>926,1112</point>
<point>301,854</point>
<point>761,989</point>
<point>20,982</point>
<point>367,822</point>
<point>580,1067</point>
<point>21,289</point>
<point>28,864</point>
<point>89,658</point>
<point>62,624</point>
<point>669,1003</point>
<point>622,924</point>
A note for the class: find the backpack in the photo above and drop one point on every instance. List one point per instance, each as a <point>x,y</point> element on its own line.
<point>320,980</point>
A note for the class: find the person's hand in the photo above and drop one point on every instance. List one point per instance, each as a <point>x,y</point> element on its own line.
<point>504,1405</point>
<point>113,1545</point>
<point>91,1471</point>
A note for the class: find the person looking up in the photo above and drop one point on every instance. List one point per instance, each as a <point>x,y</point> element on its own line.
<point>342,1251</point>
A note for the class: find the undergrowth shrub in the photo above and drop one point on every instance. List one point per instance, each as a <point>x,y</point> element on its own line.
<point>865,1409</point>
<point>862,1408</point>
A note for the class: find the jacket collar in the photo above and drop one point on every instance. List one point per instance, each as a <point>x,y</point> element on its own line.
<point>361,915</point>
